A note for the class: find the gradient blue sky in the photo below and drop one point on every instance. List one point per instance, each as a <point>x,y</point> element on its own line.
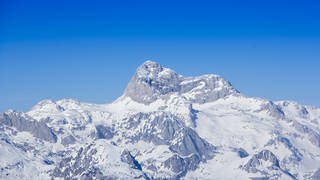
<point>88,50</point>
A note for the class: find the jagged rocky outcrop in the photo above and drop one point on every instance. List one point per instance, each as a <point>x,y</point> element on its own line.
<point>272,109</point>
<point>85,164</point>
<point>313,136</point>
<point>104,132</point>
<point>268,164</point>
<point>127,157</point>
<point>22,122</point>
<point>258,159</point>
<point>82,166</point>
<point>68,140</point>
<point>163,128</point>
<point>152,81</point>
<point>180,166</point>
<point>242,153</point>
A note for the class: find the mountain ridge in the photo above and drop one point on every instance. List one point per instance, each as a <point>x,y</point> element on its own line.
<point>164,126</point>
<point>152,81</point>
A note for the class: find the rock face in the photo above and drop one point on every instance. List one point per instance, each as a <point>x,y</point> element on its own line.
<point>316,175</point>
<point>259,159</point>
<point>160,128</point>
<point>165,126</point>
<point>152,81</point>
<point>80,165</point>
<point>242,153</point>
<point>268,164</point>
<point>21,122</point>
<point>313,136</point>
<point>180,166</point>
<point>104,132</point>
<point>126,157</point>
<point>68,140</point>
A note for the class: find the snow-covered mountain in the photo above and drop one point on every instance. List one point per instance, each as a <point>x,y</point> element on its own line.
<point>164,126</point>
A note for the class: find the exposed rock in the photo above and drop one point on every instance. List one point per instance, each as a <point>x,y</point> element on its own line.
<point>296,155</point>
<point>206,88</point>
<point>161,128</point>
<point>25,123</point>
<point>71,167</point>
<point>242,153</point>
<point>190,143</point>
<point>273,110</point>
<point>128,158</point>
<point>68,140</point>
<point>316,175</point>
<point>180,166</point>
<point>257,160</point>
<point>104,132</point>
<point>314,137</point>
<point>165,128</point>
<point>152,81</point>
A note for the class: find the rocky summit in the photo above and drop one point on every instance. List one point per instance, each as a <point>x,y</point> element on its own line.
<point>152,81</point>
<point>164,126</point>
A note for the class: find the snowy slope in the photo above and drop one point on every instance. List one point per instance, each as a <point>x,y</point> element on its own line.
<point>165,125</point>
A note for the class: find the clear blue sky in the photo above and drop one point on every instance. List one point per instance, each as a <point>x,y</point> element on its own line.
<point>89,50</point>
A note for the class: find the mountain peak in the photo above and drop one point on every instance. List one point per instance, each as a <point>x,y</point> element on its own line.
<point>151,64</point>
<point>152,70</point>
<point>163,128</point>
<point>150,81</point>
<point>149,67</point>
<point>153,81</point>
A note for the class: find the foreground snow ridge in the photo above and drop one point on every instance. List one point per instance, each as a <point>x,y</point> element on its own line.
<point>164,126</point>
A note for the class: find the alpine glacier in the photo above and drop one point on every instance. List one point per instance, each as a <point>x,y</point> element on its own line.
<point>164,126</point>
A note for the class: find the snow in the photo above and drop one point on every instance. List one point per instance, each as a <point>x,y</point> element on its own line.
<point>228,123</point>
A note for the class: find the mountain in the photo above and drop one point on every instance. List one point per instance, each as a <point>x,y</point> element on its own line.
<point>164,126</point>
